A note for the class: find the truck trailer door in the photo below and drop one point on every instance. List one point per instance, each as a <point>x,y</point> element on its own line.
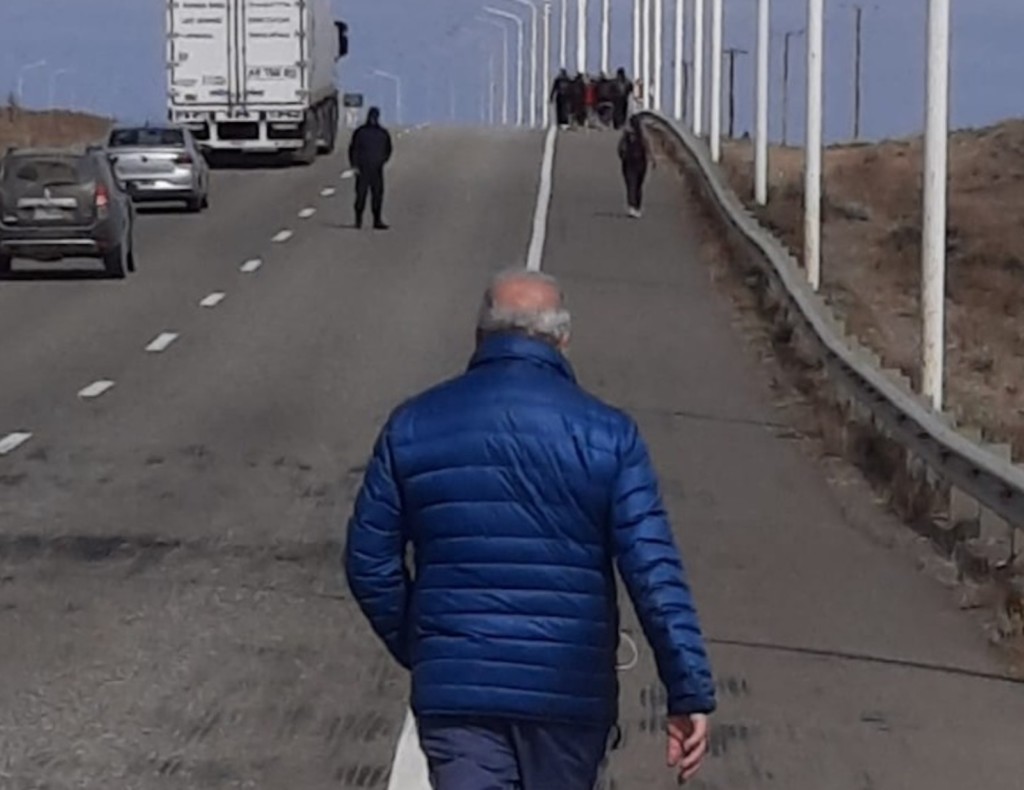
<point>202,64</point>
<point>274,56</point>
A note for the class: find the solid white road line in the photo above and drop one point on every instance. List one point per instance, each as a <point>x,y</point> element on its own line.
<point>213,299</point>
<point>251,265</point>
<point>162,341</point>
<point>13,441</point>
<point>535,254</point>
<point>307,212</point>
<point>95,389</point>
<point>409,771</point>
<point>327,191</point>
<point>282,236</point>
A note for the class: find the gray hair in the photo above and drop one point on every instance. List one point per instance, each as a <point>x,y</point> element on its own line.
<point>552,326</point>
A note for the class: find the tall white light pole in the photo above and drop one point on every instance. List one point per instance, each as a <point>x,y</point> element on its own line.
<point>638,10</point>
<point>606,35</point>
<point>716,80</point>
<point>659,59</point>
<point>679,55</point>
<point>698,67</point>
<point>563,34</point>
<point>812,168</point>
<point>581,36</point>
<point>503,29</point>
<point>534,55</point>
<point>761,126</point>
<point>397,81</point>
<point>520,47</point>
<point>546,71</point>
<point>22,72</point>
<point>645,38</point>
<point>933,241</point>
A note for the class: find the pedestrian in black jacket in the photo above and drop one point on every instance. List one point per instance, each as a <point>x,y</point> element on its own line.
<point>560,95</point>
<point>635,155</point>
<point>368,152</point>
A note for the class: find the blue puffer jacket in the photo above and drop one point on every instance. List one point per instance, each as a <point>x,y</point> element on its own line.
<point>519,493</point>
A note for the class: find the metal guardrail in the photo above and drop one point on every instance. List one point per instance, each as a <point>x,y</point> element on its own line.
<point>994,482</point>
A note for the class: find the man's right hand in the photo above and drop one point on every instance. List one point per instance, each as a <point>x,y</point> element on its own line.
<point>687,743</point>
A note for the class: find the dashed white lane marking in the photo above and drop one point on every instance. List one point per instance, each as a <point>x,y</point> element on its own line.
<point>328,191</point>
<point>535,254</point>
<point>95,389</point>
<point>345,174</point>
<point>162,341</point>
<point>13,441</point>
<point>282,236</point>
<point>212,300</point>
<point>251,265</point>
<point>409,771</point>
<point>307,212</point>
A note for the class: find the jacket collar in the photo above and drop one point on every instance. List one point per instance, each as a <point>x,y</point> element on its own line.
<point>510,347</point>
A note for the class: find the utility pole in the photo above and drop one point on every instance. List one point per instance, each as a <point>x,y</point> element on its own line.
<point>936,184</point>
<point>546,69</point>
<point>698,67</point>
<point>785,83</point>
<point>761,125</point>
<point>858,11</point>
<point>732,53</point>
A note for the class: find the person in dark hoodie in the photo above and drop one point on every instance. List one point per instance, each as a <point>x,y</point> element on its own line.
<point>560,96</point>
<point>368,152</point>
<point>635,155</point>
<point>622,90</point>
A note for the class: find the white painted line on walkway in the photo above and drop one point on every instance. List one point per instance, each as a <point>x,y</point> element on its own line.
<point>348,173</point>
<point>282,236</point>
<point>213,299</point>
<point>95,389</point>
<point>409,771</point>
<point>13,441</point>
<point>162,341</point>
<point>251,265</point>
<point>327,191</point>
<point>307,212</point>
<point>535,254</point>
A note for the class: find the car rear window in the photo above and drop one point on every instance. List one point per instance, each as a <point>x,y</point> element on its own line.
<point>49,171</point>
<point>123,138</point>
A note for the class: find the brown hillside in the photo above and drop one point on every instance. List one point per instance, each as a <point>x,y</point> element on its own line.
<point>871,258</point>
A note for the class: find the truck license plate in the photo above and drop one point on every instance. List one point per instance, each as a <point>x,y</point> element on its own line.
<point>45,214</point>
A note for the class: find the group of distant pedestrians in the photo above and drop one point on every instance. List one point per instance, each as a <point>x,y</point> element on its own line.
<point>585,101</point>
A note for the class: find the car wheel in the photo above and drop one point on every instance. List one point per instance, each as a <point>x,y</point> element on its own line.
<point>5,263</point>
<point>131,258</point>
<point>206,199</point>
<point>114,262</point>
<point>194,205</point>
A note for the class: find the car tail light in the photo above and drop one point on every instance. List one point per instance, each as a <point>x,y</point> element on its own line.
<point>102,200</point>
<point>183,159</point>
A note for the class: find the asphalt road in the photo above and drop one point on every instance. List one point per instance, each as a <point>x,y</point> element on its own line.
<point>171,604</point>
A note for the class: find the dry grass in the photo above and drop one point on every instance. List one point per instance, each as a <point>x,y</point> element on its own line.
<point>57,128</point>
<point>871,258</point>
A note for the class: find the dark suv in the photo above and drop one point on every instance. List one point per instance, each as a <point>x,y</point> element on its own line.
<point>64,204</point>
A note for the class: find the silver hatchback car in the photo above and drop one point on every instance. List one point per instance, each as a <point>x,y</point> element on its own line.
<point>158,164</point>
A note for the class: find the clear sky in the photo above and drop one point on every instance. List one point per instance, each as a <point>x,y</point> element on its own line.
<point>114,51</point>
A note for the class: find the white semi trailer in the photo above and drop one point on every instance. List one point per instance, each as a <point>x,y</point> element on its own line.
<point>255,76</point>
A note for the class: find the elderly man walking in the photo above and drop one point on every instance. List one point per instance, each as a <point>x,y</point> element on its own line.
<point>520,493</point>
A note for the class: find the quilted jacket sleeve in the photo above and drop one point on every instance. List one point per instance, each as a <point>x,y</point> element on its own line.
<point>652,570</point>
<point>375,552</point>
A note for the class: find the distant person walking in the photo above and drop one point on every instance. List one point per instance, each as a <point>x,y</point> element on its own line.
<point>622,92</point>
<point>368,152</point>
<point>635,156</point>
<point>561,95</point>
<point>520,494</point>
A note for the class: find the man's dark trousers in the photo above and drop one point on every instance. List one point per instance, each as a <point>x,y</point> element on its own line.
<point>370,181</point>
<point>634,174</point>
<point>502,754</point>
